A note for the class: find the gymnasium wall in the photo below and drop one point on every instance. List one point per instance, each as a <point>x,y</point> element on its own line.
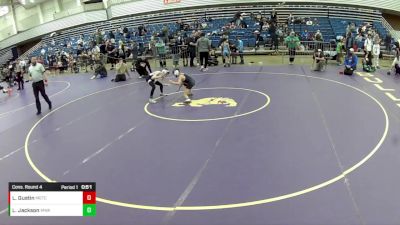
<point>28,18</point>
<point>55,15</point>
<point>118,8</point>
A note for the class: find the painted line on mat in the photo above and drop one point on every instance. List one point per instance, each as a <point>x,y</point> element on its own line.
<point>232,205</point>
<point>2,115</point>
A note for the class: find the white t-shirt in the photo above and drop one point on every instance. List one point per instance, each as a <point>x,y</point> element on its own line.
<point>376,49</point>
<point>368,45</point>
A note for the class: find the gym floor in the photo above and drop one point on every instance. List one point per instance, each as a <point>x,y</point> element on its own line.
<point>259,145</point>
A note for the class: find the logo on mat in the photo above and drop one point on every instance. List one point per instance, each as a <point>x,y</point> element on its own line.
<point>227,102</point>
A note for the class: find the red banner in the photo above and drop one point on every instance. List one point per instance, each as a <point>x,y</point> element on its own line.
<point>171,1</point>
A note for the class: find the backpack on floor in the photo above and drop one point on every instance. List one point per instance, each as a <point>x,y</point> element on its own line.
<point>368,68</point>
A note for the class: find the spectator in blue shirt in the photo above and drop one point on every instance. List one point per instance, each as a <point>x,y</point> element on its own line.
<point>240,47</point>
<point>350,62</point>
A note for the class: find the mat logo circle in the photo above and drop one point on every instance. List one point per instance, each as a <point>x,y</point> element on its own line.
<point>227,102</point>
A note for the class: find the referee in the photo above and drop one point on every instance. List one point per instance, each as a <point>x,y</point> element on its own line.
<point>39,80</point>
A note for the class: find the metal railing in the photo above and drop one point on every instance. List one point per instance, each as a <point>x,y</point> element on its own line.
<point>395,33</point>
<point>308,48</point>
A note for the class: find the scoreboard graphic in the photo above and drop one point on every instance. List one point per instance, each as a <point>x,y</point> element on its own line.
<point>52,199</point>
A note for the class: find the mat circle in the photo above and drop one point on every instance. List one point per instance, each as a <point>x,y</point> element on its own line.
<point>267,98</point>
<point>233,205</point>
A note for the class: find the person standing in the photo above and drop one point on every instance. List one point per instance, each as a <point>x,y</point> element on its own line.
<point>293,42</point>
<point>339,52</point>
<point>160,47</point>
<point>191,41</point>
<point>368,50</point>
<point>39,80</point>
<point>376,51</point>
<point>19,75</point>
<point>240,47</point>
<point>350,41</point>
<point>204,47</point>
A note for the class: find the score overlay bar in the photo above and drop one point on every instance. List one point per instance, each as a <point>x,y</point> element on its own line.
<point>52,199</point>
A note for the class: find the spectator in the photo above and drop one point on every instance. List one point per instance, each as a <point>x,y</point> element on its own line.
<point>350,62</point>
<point>304,35</point>
<point>19,75</point>
<point>349,42</point>
<point>142,30</point>
<point>125,31</point>
<point>95,52</point>
<point>274,16</point>
<point>280,35</point>
<point>122,71</point>
<point>80,40</point>
<point>203,46</point>
<point>290,19</point>
<point>164,33</point>
<point>160,47</point>
<point>261,22</point>
<point>339,52</point>
<point>388,42</point>
<point>175,51</point>
<point>274,37</point>
<point>98,36</point>
<point>121,50</point>
<point>191,42</point>
<point>180,24</point>
<point>99,70</point>
<point>318,36</point>
<point>292,42</point>
<point>240,47</point>
<point>316,22</point>
<point>319,61</point>
<point>111,54</point>
<point>265,26</point>
<point>376,51</point>
<point>368,50</point>
<point>259,39</point>
<point>120,31</point>
<point>134,54</point>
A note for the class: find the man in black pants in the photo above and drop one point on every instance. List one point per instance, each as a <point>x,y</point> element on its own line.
<point>204,47</point>
<point>192,48</point>
<point>19,75</point>
<point>39,81</point>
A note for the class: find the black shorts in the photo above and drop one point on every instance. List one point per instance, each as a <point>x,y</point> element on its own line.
<point>188,86</point>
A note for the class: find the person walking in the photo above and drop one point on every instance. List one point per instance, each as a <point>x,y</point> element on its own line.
<point>39,80</point>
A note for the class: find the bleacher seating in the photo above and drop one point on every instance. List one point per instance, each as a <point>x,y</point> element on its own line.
<point>330,23</point>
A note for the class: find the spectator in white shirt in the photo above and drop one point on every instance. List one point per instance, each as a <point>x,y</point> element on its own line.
<point>368,50</point>
<point>376,51</point>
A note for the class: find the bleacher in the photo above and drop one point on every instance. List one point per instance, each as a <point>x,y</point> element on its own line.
<point>5,55</point>
<point>332,21</point>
